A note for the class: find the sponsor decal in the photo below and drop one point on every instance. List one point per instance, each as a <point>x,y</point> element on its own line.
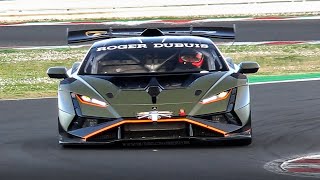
<point>154,115</point>
<point>122,46</point>
<point>154,45</point>
<point>180,45</point>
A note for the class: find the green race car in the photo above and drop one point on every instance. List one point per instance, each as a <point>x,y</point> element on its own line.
<point>148,85</point>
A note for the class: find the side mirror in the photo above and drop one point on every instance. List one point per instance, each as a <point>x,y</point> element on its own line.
<point>248,67</point>
<point>57,72</point>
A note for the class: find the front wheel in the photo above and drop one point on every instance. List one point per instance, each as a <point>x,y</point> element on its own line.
<point>243,142</point>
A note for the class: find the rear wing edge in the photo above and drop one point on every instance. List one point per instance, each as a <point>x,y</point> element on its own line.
<point>99,34</point>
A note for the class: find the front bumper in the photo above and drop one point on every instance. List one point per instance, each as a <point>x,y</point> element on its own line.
<point>180,130</point>
<point>143,142</point>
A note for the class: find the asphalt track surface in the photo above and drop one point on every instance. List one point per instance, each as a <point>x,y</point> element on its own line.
<point>286,122</point>
<point>247,31</point>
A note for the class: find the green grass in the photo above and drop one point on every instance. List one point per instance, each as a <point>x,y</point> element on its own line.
<point>23,72</point>
<point>278,59</point>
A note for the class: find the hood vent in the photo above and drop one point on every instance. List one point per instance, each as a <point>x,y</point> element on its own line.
<point>152,32</point>
<point>154,89</point>
<point>141,82</point>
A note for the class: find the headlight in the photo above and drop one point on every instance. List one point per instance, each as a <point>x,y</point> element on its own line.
<point>91,101</point>
<point>218,97</point>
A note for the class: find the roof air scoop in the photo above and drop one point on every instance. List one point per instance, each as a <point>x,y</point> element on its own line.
<point>152,32</point>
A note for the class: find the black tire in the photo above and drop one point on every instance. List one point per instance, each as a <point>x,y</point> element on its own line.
<point>244,142</point>
<point>66,146</point>
<point>60,129</point>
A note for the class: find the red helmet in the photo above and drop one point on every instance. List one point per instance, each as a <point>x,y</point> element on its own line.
<point>193,57</point>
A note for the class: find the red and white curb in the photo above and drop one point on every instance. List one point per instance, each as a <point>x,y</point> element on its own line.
<point>307,166</point>
<point>180,21</point>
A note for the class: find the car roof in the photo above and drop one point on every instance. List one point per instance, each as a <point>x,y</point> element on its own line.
<point>153,39</point>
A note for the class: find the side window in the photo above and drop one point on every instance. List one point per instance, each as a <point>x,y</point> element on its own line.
<point>230,62</point>
<point>89,64</point>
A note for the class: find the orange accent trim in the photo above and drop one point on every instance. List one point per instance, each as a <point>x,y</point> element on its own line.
<point>88,103</point>
<point>218,99</point>
<point>150,121</point>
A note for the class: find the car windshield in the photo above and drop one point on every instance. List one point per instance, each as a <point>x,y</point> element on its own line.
<point>152,58</point>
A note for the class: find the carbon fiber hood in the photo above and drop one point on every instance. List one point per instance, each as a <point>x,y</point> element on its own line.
<point>128,95</point>
<point>135,90</point>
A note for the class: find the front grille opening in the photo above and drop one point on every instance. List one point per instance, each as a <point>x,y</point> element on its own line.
<point>199,131</point>
<point>144,131</point>
<point>226,118</point>
<point>108,135</point>
<point>154,130</point>
<point>232,118</point>
<point>83,122</point>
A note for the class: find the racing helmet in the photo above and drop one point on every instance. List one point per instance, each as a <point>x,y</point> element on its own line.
<point>191,56</point>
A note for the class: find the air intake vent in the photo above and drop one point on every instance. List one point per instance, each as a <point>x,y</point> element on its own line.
<point>203,132</point>
<point>152,32</point>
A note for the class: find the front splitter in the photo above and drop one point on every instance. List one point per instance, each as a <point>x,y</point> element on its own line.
<point>157,141</point>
